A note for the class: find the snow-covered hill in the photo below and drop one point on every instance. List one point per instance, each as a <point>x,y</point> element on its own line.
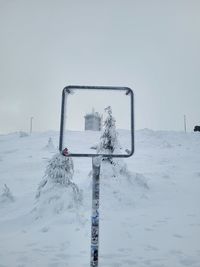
<point>150,218</point>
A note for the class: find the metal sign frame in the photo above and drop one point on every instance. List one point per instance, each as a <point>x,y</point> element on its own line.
<point>66,91</point>
<point>96,164</point>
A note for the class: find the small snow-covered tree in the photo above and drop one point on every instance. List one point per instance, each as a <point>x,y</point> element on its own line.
<point>109,139</point>
<point>6,196</point>
<point>23,134</point>
<point>109,144</point>
<point>60,169</point>
<point>115,173</point>
<point>59,172</point>
<point>50,144</point>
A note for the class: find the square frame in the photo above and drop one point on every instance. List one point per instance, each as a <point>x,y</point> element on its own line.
<point>67,89</point>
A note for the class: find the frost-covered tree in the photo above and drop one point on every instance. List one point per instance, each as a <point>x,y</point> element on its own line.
<point>50,144</point>
<point>60,169</point>
<point>109,138</point>
<point>109,144</point>
<point>6,195</point>
<point>23,134</point>
<point>57,191</point>
<point>115,174</point>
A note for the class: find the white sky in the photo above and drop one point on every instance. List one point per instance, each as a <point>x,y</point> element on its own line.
<point>151,46</point>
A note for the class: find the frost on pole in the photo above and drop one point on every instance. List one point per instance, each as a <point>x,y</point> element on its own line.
<point>96,122</point>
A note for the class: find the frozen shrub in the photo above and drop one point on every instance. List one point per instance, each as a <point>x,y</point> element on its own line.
<point>57,191</point>
<point>50,145</point>
<point>109,138</point>
<point>6,195</point>
<point>23,134</point>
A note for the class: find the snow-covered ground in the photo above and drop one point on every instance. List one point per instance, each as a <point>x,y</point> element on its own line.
<point>151,218</point>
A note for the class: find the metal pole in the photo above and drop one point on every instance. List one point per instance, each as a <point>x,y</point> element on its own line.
<point>185,128</point>
<point>31,125</point>
<point>96,164</point>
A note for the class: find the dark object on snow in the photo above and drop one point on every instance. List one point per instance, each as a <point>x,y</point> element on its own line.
<point>65,152</point>
<point>197,128</point>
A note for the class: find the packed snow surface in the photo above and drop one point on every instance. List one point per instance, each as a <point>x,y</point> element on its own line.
<point>149,213</point>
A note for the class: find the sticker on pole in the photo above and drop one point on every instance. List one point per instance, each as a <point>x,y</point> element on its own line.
<point>97,121</point>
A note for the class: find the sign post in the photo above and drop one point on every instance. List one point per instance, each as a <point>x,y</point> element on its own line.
<point>98,93</point>
<point>96,164</point>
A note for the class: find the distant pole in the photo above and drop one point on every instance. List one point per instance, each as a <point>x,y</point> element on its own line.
<point>185,128</point>
<point>31,125</point>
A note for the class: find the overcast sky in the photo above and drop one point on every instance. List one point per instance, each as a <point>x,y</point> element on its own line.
<point>151,46</point>
<point>82,102</point>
